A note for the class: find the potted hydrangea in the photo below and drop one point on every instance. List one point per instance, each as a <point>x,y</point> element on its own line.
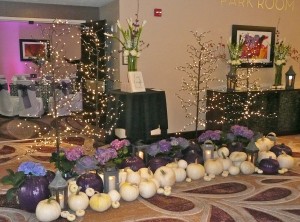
<point>239,137</point>
<point>30,185</point>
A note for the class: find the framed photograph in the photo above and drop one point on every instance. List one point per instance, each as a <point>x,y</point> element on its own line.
<point>31,49</point>
<point>136,81</point>
<point>258,45</point>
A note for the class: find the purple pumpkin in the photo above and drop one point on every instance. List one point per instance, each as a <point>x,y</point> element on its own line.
<point>157,162</point>
<point>269,166</point>
<point>32,191</point>
<point>235,146</point>
<point>193,154</point>
<point>134,162</point>
<point>279,148</point>
<point>92,180</point>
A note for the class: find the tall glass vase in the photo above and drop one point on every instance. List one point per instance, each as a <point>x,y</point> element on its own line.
<point>132,63</point>
<point>278,75</point>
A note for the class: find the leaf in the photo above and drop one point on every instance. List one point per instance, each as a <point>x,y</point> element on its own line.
<point>7,180</point>
<point>11,193</point>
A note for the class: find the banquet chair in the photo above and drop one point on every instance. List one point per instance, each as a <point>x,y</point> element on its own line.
<point>9,105</point>
<point>62,104</point>
<point>29,104</point>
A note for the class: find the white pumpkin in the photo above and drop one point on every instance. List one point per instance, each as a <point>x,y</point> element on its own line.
<point>165,176</point>
<point>234,170</point>
<point>265,155</point>
<point>213,166</point>
<point>172,165</point>
<point>226,162</point>
<point>264,144</point>
<point>114,195</point>
<point>238,157</point>
<point>147,188</point>
<point>155,181</point>
<point>247,167</point>
<point>129,192</point>
<point>78,201</point>
<point>285,161</point>
<point>115,204</point>
<point>100,202</point>
<point>47,210</point>
<point>223,151</point>
<point>182,164</point>
<point>133,177</point>
<point>180,174</point>
<point>145,173</point>
<point>195,171</point>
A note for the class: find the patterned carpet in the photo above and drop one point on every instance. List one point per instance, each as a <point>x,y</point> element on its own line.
<point>241,198</point>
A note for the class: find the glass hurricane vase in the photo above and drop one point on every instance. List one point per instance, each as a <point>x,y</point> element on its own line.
<point>278,75</point>
<point>132,63</point>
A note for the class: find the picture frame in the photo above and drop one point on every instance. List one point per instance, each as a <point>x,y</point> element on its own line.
<point>258,47</point>
<point>136,81</point>
<point>31,49</point>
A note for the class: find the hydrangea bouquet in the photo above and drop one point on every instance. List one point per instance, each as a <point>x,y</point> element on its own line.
<point>214,135</point>
<point>240,134</point>
<point>118,150</point>
<point>65,159</point>
<point>171,148</point>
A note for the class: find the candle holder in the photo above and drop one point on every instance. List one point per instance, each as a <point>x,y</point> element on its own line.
<point>111,178</point>
<point>59,189</point>
<point>252,152</point>
<point>139,149</point>
<point>231,79</point>
<point>290,76</point>
<point>208,148</point>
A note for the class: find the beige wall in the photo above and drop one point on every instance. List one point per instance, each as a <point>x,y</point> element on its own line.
<point>170,34</point>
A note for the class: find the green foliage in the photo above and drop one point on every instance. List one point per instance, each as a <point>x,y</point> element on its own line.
<point>14,179</point>
<point>122,154</point>
<point>61,162</point>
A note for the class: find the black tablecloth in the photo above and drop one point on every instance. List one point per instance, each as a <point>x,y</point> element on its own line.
<point>142,112</point>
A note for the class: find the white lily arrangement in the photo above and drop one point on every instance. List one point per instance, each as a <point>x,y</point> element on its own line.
<point>131,42</point>
<point>281,51</point>
<point>235,51</point>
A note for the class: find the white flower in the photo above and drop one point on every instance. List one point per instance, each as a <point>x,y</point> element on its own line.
<point>133,52</point>
<point>108,35</point>
<point>138,54</point>
<point>144,23</point>
<point>129,21</point>
<point>119,24</point>
<point>126,53</point>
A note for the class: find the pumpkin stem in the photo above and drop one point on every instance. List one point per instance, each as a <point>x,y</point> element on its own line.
<point>163,172</point>
<point>78,190</point>
<point>224,157</point>
<point>49,199</point>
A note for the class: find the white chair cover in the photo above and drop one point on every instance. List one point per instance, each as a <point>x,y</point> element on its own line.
<point>76,102</point>
<point>63,99</point>
<point>29,104</point>
<point>9,105</point>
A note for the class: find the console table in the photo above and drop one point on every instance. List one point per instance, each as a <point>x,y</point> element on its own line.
<point>264,111</point>
<point>141,112</point>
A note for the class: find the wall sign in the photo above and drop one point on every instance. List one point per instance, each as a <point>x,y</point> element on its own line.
<point>279,5</point>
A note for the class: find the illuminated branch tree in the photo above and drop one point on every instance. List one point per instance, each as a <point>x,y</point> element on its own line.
<point>199,72</point>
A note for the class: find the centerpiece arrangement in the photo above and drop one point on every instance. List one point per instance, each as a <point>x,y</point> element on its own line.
<point>132,45</point>
<point>281,51</point>
<point>235,52</point>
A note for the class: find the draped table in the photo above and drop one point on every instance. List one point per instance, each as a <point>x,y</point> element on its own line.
<point>139,113</point>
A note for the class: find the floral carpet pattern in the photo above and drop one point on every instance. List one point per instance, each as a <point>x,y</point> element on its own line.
<point>241,198</point>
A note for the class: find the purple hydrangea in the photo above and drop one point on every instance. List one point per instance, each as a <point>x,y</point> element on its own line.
<point>32,168</point>
<point>180,141</point>
<point>242,131</point>
<point>119,144</point>
<point>213,135</point>
<point>74,153</point>
<point>104,155</point>
<point>153,149</point>
<point>164,146</point>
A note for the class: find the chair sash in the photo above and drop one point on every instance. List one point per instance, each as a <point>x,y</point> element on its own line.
<point>65,87</point>
<point>3,86</point>
<point>24,94</point>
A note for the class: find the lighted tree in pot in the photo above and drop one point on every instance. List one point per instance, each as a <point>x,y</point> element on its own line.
<point>204,56</point>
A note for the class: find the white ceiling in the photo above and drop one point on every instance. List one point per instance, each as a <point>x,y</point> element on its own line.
<point>89,3</point>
